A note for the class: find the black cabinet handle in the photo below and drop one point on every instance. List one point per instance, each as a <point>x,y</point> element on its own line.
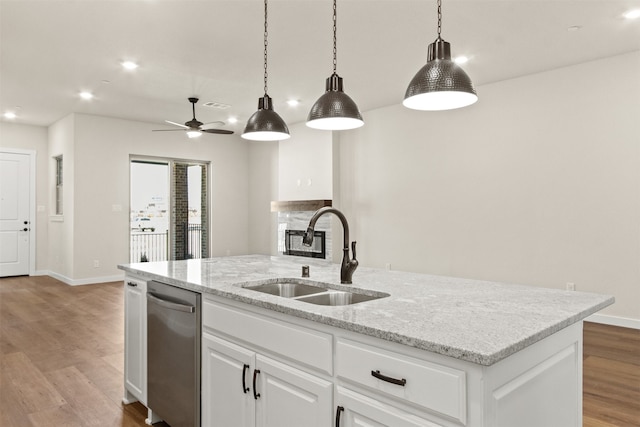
<point>339,411</point>
<point>132,284</point>
<point>255,376</point>
<point>396,381</point>
<point>245,368</point>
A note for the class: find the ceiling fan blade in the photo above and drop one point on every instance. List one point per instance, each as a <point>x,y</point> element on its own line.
<point>177,124</point>
<point>168,130</point>
<point>218,131</point>
<point>212,125</point>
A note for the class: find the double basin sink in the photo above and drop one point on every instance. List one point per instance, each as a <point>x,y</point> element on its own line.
<point>319,294</point>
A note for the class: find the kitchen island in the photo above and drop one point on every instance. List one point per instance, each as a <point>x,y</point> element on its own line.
<point>437,351</point>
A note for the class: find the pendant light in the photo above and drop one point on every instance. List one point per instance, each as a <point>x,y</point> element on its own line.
<point>334,110</point>
<point>441,84</point>
<point>265,124</point>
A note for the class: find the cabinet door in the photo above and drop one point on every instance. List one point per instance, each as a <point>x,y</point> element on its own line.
<point>357,410</point>
<point>135,336</point>
<point>227,391</point>
<point>290,397</point>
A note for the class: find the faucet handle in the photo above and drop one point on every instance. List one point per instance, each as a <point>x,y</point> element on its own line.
<point>353,249</point>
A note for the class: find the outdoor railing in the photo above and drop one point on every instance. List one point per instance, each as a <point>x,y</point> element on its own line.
<point>149,247</point>
<point>194,241</point>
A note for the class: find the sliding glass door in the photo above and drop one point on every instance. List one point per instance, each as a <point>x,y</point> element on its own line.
<point>169,210</point>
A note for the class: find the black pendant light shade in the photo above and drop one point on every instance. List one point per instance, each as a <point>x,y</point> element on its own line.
<point>441,84</point>
<point>334,110</point>
<point>265,124</point>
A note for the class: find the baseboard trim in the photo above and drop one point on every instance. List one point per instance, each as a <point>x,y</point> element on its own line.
<point>624,322</point>
<point>88,281</point>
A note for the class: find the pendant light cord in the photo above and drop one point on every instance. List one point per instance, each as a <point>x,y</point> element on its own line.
<point>335,29</point>
<point>439,19</point>
<point>265,46</point>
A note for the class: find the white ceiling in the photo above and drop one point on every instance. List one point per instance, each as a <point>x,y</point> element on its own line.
<point>52,49</point>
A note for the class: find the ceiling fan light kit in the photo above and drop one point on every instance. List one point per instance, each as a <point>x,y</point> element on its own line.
<point>441,84</point>
<point>265,124</point>
<point>334,110</point>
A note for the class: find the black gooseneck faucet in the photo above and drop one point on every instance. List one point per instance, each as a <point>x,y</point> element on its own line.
<point>348,265</point>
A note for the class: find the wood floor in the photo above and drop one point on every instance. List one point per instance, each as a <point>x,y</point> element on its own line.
<point>61,360</point>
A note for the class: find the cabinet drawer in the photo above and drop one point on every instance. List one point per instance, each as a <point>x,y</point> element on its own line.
<point>435,387</point>
<point>308,347</point>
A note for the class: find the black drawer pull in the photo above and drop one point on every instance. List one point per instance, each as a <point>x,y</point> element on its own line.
<point>256,395</point>
<point>396,381</point>
<point>132,284</point>
<point>339,411</point>
<point>245,389</point>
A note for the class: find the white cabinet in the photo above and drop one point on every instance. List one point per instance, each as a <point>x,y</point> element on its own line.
<point>135,337</point>
<point>356,410</point>
<point>289,397</point>
<point>436,388</point>
<point>309,374</point>
<point>244,385</point>
<point>227,398</point>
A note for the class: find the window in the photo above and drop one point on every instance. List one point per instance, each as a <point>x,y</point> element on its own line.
<point>58,160</point>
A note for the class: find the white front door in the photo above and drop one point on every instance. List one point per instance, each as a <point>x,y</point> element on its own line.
<point>15,226</point>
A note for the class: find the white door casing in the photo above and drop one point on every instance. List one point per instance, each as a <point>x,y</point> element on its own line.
<point>17,214</point>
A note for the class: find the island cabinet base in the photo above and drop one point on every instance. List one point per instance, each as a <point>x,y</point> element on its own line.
<point>264,368</point>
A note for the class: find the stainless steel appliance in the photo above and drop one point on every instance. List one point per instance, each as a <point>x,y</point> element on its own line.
<point>173,349</point>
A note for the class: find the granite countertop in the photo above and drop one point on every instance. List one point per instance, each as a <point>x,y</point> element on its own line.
<point>473,320</point>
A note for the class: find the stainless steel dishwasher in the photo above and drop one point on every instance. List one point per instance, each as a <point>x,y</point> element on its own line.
<point>173,354</point>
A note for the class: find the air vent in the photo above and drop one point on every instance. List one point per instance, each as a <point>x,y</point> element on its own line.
<point>218,105</point>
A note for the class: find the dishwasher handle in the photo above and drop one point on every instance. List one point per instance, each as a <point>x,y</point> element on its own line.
<point>170,305</point>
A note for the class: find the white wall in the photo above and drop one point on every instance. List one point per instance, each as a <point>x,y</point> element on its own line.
<point>538,183</point>
<point>305,165</point>
<point>102,150</point>
<point>263,188</point>
<point>24,137</point>
<point>61,227</point>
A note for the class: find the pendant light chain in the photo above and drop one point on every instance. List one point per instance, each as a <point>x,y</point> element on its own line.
<point>335,29</point>
<point>439,18</point>
<point>265,124</point>
<point>266,33</point>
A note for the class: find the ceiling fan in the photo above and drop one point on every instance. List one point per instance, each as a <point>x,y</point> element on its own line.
<point>193,127</point>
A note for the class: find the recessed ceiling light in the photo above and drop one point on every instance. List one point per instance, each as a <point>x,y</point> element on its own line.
<point>461,60</point>
<point>232,120</point>
<point>293,103</point>
<point>86,95</point>
<point>129,65</point>
<point>574,28</point>
<point>9,115</point>
<point>632,14</point>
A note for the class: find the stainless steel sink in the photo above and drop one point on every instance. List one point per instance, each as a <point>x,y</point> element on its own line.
<point>321,294</point>
<point>339,298</point>
<point>287,289</point>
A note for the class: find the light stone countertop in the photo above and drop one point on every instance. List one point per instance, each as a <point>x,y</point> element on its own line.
<point>477,321</point>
